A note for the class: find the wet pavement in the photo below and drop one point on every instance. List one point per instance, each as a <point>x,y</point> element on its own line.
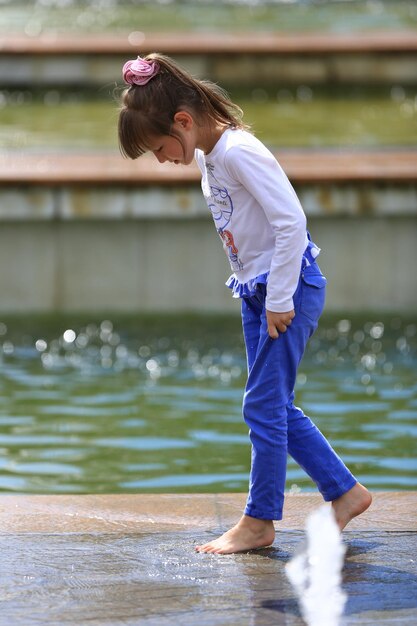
<point>108,568</point>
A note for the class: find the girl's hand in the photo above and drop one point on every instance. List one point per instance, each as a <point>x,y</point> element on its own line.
<point>278,322</point>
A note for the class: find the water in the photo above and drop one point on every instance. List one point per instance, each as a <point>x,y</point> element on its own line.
<point>36,17</point>
<point>285,117</point>
<point>316,573</point>
<point>158,580</point>
<point>153,404</point>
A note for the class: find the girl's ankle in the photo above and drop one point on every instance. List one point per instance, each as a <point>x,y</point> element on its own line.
<point>256,523</point>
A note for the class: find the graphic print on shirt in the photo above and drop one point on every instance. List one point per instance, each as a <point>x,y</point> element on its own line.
<point>221,206</point>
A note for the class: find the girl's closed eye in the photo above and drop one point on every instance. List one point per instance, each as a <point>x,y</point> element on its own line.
<point>157,152</point>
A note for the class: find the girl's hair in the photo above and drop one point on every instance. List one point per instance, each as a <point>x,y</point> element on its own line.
<point>148,110</point>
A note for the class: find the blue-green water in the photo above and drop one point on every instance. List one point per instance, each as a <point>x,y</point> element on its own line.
<point>140,404</point>
<point>34,17</point>
<point>295,117</point>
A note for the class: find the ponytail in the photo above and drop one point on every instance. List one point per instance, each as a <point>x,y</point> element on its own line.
<point>155,95</point>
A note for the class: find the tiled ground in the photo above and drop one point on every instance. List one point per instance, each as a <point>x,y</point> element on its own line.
<point>110,560</point>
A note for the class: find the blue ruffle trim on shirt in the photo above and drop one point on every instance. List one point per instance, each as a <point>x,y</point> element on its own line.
<point>247,290</point>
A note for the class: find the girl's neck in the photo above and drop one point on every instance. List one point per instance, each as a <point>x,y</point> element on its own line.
<point>210,137</point>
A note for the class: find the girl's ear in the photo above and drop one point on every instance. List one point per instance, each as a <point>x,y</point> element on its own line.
<point>184,119</point>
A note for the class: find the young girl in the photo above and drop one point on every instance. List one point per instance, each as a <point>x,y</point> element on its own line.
<point>263,230</point>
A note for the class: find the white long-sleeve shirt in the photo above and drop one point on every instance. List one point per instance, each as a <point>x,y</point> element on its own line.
<point>257,214</point>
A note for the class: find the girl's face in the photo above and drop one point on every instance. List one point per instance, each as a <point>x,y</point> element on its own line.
<point>175,150</point>
<point>179,147</point>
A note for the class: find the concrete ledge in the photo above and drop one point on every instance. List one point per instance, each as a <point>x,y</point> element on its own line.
<point>86,234</point>
<point>100,186</point>
<point>242,59</point>
<point>302,167</point>
<point>210,43</point>
<point>390,511</point>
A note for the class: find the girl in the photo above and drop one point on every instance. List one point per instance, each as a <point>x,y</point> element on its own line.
<point>263,230</point>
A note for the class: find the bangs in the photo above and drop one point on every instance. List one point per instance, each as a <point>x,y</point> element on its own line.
<point>136,132</point>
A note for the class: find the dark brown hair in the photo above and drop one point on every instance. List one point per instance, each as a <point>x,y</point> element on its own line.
<point>148,110</point>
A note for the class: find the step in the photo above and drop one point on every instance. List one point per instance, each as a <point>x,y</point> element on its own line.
<point>133,513</point>
<point>232,59</point>
<point>259,43</point>
<point>106,186</point>
<point>97,232</point>
<point>301,166</point>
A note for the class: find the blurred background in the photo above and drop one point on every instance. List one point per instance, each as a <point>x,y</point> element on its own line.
<point>121,356</point>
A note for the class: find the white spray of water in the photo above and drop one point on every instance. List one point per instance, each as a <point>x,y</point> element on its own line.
<point>316,573</point>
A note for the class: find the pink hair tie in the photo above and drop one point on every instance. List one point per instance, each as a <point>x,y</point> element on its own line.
<point>139,71</point>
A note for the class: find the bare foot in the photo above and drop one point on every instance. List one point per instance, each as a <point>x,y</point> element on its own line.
<point>351,504</point>
<point>248,534</point>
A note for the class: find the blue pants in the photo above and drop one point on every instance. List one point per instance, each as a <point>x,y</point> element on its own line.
<point>277,427</point>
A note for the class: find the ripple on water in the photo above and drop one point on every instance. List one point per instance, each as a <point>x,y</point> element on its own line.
<point>188,480</point>
<point>388,430</point>
<point>16,420</point>
<point>62,454</point>
<point>144,443</point>
<point>52,469</point>
<point>403,414</point>
<point>85,411</point>
<point>13,483</point>
<point>396,393</point>
<point>343,408</point>
<point>36,440</point>
<point>107,398</point>
<point>218,438</point>
<point>398,463</point>
<point>38,394</point>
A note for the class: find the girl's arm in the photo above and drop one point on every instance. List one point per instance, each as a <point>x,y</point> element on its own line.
<point>261,175</point>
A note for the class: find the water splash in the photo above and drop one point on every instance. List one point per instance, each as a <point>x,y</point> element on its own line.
<point>315,574</point>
